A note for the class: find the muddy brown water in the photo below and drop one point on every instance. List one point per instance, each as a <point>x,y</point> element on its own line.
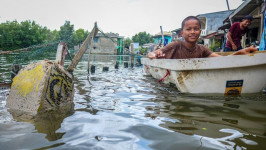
<point>122,109</point>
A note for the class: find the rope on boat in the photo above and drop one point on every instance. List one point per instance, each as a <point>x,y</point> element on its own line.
<point>167,74</point>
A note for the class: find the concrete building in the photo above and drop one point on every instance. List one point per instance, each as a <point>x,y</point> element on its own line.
<point>176,34</point>
<point>150,47</point>
<point>109,43</point>
<point>134,48</point>
<point>210,22</point>
<point>158,37</point>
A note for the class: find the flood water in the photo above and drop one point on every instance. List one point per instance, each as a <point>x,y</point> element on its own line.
<point>123,109</point>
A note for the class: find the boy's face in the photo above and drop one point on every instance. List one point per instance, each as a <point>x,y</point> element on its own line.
<point>246,23</point>
<point>191,31</point>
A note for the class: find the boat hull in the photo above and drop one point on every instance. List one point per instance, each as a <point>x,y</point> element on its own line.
<point>247,74</point>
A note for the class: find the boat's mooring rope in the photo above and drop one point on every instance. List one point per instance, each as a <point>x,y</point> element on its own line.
<point>167,74</point>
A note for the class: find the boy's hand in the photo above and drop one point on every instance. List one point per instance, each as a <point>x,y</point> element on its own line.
<point>156,54</point>
<point>160,53</point>
<point>251,49</point>
<point>152,55</point>
<point>234,47</point>
<point>247,50</point>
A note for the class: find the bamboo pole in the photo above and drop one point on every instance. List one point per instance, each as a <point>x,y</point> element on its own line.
<point>88,41</point>
<point>90,49</point>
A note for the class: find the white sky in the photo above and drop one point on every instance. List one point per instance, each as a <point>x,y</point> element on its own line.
<point>126,17</point>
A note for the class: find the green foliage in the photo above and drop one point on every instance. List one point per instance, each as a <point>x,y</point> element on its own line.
<point>66,34</point>
<point>142,38</point>
<point>215,45</point>
<point>14,35</point>
<point>52,36</point>
<point>79,36</point>
<point>127,42</point>
<point>143,50</point>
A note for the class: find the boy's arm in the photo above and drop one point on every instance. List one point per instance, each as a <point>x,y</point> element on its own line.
<point>160,53</point>
<point>214,55</point>
<point>152,55</point>
<point>244,51</point>
<point>229,37</point>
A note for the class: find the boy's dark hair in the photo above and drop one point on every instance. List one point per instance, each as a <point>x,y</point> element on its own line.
<point>248,17</point>
<point>190,18</point>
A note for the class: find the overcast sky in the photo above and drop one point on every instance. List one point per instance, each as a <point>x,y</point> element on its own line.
<point>126,17</point>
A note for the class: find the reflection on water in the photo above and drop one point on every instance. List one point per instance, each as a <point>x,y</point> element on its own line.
<point>243,114</point>
<point>124,109</point>
<point>50,121</point>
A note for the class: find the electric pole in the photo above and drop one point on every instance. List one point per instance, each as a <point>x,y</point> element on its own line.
<point>227,5</point>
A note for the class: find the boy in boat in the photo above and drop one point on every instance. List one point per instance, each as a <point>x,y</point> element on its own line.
<point>236,31</point>
<point>191,29</point>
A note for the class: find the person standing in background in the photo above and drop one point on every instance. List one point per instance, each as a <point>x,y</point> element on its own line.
<point>236,31</point>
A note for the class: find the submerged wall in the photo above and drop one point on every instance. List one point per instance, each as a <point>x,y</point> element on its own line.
<point>39,87</point>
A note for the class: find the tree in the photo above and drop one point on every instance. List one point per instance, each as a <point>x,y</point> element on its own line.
<point>52,36</point>
<point>79,36</point>
<point>142,38</point>
<point>143,50</point>
<point>9,32</point>
<point>127,42</point>
<point>31,33</point>
<point>66,34</point>
<point>14,35</point>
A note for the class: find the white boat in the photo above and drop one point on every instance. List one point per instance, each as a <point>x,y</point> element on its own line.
<point>234,74</point>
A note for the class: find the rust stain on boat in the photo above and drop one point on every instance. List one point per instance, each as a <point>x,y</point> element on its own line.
<point>183,76</point>
<point>180,80</point>
<point>147,67</point>
<point>192,63</point>
<point>186,74</point>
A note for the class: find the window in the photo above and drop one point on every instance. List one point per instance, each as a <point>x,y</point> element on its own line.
<point>96,40</point>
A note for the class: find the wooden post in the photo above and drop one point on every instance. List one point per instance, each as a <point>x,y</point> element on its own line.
<point>116,65</point>
<point>89,53</point>
<point>132,60</point>
<point>93,69</point>
<point>61,53</point>
<point>125,64</point>
<point>162,36</point>
<point>83,48</point>
<point>227,5</point>
<point>105,69</point>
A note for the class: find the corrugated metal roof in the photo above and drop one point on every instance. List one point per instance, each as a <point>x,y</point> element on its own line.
<point>225,26</point>
<point>213,13</point>
<point>244,9</point>
<point>164,33</point>
<point>113,35</point>
<point>215,35</point>
<point>176,30</point>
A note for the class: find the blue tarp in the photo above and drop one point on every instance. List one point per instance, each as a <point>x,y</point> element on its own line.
<point>263,37</point>
<point>165,41</point>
